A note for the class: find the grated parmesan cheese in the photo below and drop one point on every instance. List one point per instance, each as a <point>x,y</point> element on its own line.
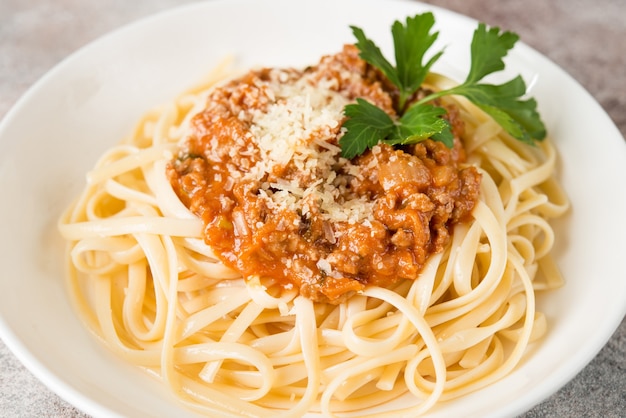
<point>297,132</point>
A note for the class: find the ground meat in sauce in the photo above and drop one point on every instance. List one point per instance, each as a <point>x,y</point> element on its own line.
<point>288,208</point>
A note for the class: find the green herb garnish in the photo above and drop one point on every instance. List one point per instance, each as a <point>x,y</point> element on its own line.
<point>367,125</point>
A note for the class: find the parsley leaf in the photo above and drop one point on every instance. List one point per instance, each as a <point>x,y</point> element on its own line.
<point>410,71</point>
<point>502,102</point>
<point>410,54</point>
<point>367,125</point>
<point>370,53</point>
<point>518,117</point>
<point>421,122</point>
<point>488,48</point>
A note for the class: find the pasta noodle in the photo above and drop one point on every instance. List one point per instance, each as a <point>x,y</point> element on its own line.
<point>148,286</point>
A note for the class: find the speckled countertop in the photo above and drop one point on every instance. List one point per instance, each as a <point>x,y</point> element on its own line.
<point>585,37</point>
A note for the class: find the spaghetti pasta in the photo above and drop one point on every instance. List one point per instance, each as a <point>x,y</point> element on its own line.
<point>149,287</point>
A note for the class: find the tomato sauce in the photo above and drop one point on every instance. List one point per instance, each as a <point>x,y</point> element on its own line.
<point>315,221</point>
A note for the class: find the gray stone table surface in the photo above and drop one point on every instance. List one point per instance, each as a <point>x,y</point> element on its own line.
<point>585,37</point>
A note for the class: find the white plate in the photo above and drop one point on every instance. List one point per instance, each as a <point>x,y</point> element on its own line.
<point>55,133</point>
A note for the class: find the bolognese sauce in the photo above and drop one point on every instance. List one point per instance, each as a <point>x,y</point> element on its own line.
<point>263,169</point>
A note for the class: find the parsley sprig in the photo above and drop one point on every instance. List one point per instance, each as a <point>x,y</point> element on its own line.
<point>367,125</point>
